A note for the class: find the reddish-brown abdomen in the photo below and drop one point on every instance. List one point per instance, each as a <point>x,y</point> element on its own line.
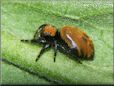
<point>76,38</point>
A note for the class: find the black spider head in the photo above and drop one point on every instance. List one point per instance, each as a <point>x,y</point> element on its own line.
<point>45,30</point>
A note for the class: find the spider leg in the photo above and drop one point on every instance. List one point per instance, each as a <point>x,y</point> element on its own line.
<point>35,35</point>
<point>73,51</point>
<point>78,60</point>
<point>42,51</point>
<point>70,52</point>
<point>33,40</point>
<point>39,40</point>
<point>55,51</point>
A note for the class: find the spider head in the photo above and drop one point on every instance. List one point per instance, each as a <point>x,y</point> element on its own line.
<point>48,30</point>
<point>45,30</point>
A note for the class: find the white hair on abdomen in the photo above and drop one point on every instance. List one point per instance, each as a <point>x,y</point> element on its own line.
<point>74,45</point>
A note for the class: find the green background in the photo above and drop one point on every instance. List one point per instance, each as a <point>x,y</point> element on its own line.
<point>21,18</point>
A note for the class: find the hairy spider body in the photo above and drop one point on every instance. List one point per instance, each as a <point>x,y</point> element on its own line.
<point>70,41</point>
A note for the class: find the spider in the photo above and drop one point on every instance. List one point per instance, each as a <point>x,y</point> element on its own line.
<point>71,41</point>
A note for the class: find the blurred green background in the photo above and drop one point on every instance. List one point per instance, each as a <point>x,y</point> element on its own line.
<point>21,18</point>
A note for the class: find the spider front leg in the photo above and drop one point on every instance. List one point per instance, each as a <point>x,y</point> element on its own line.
<point>42,51</point>
<point>55,50</point>
<point>39,40</point>
<point>33,40</point>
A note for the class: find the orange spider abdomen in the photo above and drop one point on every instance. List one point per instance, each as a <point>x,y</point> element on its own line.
<point>78,39</point>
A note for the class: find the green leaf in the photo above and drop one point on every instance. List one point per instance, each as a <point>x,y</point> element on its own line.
<point>20,20</point>
<point>14,75</point>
